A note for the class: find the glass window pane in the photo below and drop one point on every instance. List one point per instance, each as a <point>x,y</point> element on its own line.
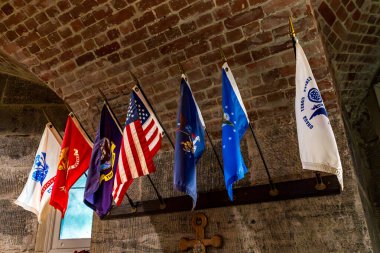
<point>77,222</point>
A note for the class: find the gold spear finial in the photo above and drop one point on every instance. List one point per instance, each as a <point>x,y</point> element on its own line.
<point>292,33</point>
<point>181,68</point>
<point>222,55</point>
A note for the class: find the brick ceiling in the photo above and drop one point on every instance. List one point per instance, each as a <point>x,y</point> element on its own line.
<point>77,46</point>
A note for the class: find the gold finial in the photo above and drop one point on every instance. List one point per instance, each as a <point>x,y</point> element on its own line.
<point>222,54</point>
<point>134,77</point>
<point>292,33</point>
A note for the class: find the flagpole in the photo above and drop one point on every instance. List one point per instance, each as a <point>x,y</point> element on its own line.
<point>273,191</point>
<point>208,136</point>
<point>162,203</point>
<point>154,112</point>
<point>320,185</point>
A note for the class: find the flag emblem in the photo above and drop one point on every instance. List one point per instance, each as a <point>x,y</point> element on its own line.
<point>141,140</point>
<point>40,168</point>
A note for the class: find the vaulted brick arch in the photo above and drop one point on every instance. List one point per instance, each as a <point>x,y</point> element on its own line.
<point>78,46</point>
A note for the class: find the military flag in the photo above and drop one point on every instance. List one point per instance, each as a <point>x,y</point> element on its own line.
<point>316,140</point>
<point>235,123</point>
<point>37,190</point>
<point>74,160</point>
<point>100,178</point>
<point>142,138</point>
<point>190,142</point>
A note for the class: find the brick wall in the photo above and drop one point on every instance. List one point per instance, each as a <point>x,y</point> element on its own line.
<point>21,126</point>
<point>79,46</point>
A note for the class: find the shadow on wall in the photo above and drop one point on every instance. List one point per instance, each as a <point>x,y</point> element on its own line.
<point>21,125</point>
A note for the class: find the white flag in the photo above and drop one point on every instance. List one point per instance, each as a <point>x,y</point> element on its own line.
<point>317,145</point>
<point>37,190</point>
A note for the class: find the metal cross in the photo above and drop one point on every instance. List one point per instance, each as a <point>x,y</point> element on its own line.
<point>199,244</point>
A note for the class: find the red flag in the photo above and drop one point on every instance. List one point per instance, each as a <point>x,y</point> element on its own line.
<point>74,160</point>
<point>142,138</point>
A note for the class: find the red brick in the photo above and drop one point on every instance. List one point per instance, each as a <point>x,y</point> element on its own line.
<point>14,19</point>
<point>67,67</point>
<point>52,11</point>
<point>327,13</point>
<point>176,5</point>
<point>113,58</point>
<point>43,43</point>
<point>210,57</point>
<point>139,48</point>
<point>143,5</point>
<point>342,13</point>
<point>21,29</point>
<point>126,54</point>
<point>7,9</point>
<point>46,28</point>
<point>356,15</point>
<point>162,11</point>
<point>83,59</point>
<point>33,48</point>
<point>197,49</point>
<point>11,35</point>
<point>147,18</point>
<point>48,53</point>
<point>135,37</point>
<point>244,18</point>
<point>89,4</point>
<point>101,40</point>
<point>54,38</point>
<point>256,40</point>
<point>121,16</point>
<point>102,12</point>
<point>108,49</point>
<point>71,42</point>
<point>163,24</point>
<point>173,33</point>
<point>65,32</point>
<point>94,30</point>
<point>222,13</point>
<point>281,47</point>
<point>174,46</point>
<point>275,5</point>
<point>31,24</point>
<point>126,27</point>
<point>197,8</point>
<point>188,27</point>
<point>41,18</point>
<point>113,34</point>
<point>217,41</point>
<point>204,20</point>
<point>238,5</point>
<point>145,57</point>
<point>65,56</point>
<point>207,32</point>
<point>119,4</point>
<point>65,18</point>
<point>256,2</point>
<point>234,35</point>
<point>63,5</point>
<point>156,41</point>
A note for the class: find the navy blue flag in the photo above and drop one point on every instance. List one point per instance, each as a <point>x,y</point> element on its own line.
<point>235,123</point>
<point>190,142</point>
<point>100,179</point>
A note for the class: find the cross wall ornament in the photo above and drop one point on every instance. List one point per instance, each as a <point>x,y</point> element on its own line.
<point>199,244</point>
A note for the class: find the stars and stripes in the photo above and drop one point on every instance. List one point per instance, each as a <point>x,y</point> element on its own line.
<point>142,138</point>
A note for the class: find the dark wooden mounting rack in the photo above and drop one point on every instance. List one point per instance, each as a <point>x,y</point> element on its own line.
<point>244,195</point>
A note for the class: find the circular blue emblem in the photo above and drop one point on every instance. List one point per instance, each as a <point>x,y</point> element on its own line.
<point>314,95</point>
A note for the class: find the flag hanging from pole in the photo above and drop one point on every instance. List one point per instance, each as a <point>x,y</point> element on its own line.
<point>74,160</point>
<point>100,178</point>
<point>317,145</point>
<point>189,144</point>
<point>142,138</point>
<point>235,123</point>
<point>37,190</point>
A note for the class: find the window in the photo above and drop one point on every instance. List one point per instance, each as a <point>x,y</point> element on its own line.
<point>74,231</point>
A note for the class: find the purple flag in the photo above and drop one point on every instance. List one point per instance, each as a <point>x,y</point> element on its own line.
<point>100,179</point>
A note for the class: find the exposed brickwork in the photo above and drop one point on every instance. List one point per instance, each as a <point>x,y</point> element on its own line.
<point>77,47</point>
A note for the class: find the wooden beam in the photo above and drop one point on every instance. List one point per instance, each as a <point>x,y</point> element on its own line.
<point>296,189</point>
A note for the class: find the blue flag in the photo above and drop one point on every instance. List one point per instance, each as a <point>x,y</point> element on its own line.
<point>189,144</point>
<point>235,123</point>
<point>100,179</point>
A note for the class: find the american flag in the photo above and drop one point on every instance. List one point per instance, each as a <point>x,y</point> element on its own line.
<point>142,137</point>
